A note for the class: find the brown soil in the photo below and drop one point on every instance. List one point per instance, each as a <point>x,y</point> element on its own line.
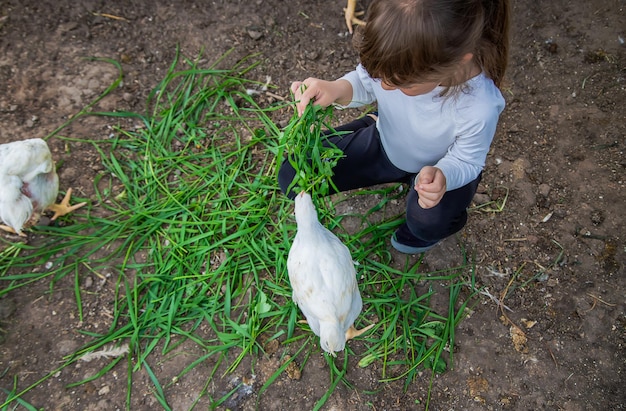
<point>557,245</point>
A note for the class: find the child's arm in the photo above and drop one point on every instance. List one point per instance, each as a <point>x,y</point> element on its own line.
<point>322,92</point>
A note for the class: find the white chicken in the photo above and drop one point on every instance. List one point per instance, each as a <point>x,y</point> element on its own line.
<point>323,278</point>
<point>28,185</point>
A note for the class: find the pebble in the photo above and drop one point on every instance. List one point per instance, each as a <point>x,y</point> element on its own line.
<point>544,190</point>
<point>65,347</point>
<point>481,198</point>
<point>311,55</point>
<point>560,212</point>
<point>255,34</point>
<point>88,282</point>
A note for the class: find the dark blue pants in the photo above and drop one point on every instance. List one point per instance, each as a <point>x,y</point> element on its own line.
<point>366,164</point>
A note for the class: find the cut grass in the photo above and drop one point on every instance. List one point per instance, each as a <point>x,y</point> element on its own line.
<point>197,233</point>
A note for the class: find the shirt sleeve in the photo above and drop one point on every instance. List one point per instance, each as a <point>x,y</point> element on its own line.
<point>466,157</point>
<point>362,92</point>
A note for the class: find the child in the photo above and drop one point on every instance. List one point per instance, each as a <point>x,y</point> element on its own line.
<point>434,67</point>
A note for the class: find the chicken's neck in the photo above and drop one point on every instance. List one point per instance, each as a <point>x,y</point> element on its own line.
<point>306,218</point>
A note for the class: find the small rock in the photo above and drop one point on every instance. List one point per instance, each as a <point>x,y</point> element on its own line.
<point>481,198</point>
<point>544,190</point>
<point>255,34</point>
<point>514,129</point>
<point>66,347</point>
<point>560,212</point>
<point>88,282</point>
<point>65,27</point>
<point>311,55</point>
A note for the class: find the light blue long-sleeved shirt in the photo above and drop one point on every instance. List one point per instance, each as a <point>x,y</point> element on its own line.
<point>453,133</point>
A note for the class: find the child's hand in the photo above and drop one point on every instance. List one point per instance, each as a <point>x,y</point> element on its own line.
<point>430,184</point>
<point>322,92</point>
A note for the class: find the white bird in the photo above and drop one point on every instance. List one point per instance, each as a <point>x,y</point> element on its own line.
<point>323,278</point>
<point>28,185</point>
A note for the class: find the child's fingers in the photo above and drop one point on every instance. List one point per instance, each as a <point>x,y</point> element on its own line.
<point>295,86</point>
<point>428,200</point>
<point>302,98</point>
<point>426,203</point>
<point>429,195</point>
<point>422,203</point>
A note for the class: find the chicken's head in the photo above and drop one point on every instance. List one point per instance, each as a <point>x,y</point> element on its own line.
<point>305,210</point>
<point>332,337</point>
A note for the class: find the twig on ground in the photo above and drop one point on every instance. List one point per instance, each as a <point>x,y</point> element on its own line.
<point>597,299</point>
<point>111,16</point>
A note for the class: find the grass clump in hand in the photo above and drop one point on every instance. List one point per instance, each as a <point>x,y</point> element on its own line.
<point>313,161</point>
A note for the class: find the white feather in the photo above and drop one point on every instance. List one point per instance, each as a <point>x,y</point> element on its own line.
<point>28,181</point>
<point>323,278</point>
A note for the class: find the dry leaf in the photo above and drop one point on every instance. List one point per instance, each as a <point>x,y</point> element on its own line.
<point>477,385</point>
<point>292,369</point>
<point>519,339</point>
<point>528,323</point>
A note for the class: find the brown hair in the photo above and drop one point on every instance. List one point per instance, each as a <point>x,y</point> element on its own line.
<point>411,41</point>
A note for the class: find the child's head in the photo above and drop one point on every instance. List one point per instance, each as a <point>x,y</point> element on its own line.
<point>415,41</point>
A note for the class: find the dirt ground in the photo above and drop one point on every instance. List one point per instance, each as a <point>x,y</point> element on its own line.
<point>558,160</point>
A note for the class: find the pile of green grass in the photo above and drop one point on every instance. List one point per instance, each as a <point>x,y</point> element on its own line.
<point>191,221</point>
